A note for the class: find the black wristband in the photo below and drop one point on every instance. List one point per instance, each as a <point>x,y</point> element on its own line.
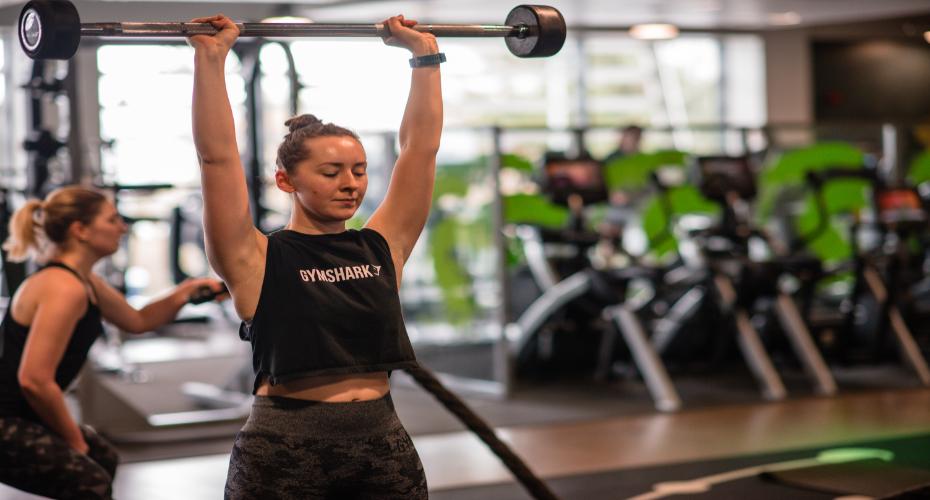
<point>427,60</point>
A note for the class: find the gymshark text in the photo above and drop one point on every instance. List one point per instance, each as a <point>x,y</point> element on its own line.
<point>340,273</point>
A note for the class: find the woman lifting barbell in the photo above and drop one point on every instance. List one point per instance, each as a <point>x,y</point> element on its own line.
<point>319,302</point>
<point>48,329</point>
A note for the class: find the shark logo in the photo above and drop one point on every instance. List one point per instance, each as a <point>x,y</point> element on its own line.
<point>377,270</point>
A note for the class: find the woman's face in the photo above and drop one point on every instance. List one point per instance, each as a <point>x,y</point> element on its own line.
<point>104,232</point>
<point>331,183</point>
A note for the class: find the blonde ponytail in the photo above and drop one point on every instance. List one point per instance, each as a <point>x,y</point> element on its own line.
<point>38,225</point>
<point>25,232</point>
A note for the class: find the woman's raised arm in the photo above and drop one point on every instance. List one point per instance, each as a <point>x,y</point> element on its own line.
<point>234,245</point>
<point>402,215</point>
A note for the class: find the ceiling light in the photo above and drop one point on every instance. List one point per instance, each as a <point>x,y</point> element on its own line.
<point>654,31</point>
<point>789,18</point>
<point>927,36</point>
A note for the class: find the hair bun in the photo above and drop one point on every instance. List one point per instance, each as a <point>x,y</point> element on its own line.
<point>301,121</point>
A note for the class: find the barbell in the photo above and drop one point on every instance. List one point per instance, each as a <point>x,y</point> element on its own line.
<point>52,29</point>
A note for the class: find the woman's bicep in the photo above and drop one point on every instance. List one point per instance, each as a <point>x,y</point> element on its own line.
<point>227,217</point>
<point>238,260</point>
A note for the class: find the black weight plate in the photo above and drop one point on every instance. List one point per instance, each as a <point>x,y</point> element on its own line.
<point>552,31</point>
<point>546,31</point>
<point>49,29</point>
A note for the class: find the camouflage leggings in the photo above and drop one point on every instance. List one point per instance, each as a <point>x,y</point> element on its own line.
<point>36,460</point>
<point>294,449</point>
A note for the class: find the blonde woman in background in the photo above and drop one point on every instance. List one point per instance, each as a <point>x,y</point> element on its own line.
<point>52,320</point>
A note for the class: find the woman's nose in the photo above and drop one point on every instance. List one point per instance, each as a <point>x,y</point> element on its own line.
<point>349,181</point>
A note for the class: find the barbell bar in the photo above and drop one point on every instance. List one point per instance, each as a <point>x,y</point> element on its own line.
<point>52,29</point>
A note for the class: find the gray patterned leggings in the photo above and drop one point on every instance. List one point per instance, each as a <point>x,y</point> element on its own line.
<point>297,449</point>
<point>36,460</point>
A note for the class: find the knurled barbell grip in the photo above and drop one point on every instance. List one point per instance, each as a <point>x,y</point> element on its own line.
<point>176,29</point>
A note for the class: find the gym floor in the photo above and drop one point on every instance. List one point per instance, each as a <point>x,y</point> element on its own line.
<point>458,459</point>
<point>458,465</point>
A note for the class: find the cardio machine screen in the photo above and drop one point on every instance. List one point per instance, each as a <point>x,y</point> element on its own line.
<point>898,199</point>
<point>899,205</point>
<point>725,175</point>
<point>582,177</point>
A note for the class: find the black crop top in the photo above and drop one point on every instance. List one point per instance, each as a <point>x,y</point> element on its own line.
<point>328,305</point>
<point>13,340</point>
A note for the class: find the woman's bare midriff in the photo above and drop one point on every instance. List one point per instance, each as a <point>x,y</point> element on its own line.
<point>330,388</point>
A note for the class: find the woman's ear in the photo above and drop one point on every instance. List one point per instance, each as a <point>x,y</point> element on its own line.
<point>283,181</point>
<point>79,231</point>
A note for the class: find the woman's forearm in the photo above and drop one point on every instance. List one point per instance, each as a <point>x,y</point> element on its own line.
<point>47,400</point>
<point>213,125</point>
<point>421,126</point>
<point>163,310</point>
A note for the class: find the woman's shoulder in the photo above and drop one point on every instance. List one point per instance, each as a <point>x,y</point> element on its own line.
<point>52,285</point>
<point>59,276</point>
<point>59,281</point>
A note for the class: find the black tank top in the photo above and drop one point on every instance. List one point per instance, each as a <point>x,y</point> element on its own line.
<point>13,340</point>
<point>328,305</point>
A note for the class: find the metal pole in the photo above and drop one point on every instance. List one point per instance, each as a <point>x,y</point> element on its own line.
<point>650,365</point>
<point>75,135</point>
<point>503,361</point>
<point>293,78</point>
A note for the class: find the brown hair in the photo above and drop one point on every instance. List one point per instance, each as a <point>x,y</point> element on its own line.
<point>38,223</point>
<point>300,128</point>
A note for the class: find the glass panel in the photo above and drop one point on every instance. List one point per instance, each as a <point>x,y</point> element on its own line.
<point>367,95</point>
<point>675,82</point>
<point>482,86</point>
<point>451,293</point>
<point>144,93</point>
<point>690,71</point>
<point>145,109</point>
<point>273,60</point>
<point>621,80</point>
<point>489,85</point>
<point>276,109</point>
<point>744,73</point>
